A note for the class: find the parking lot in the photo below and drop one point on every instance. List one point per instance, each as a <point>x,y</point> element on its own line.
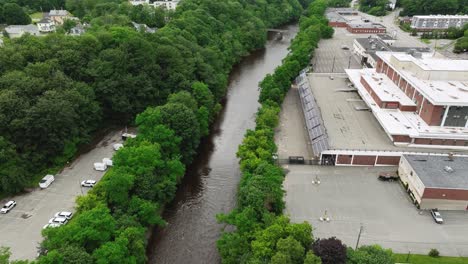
<point>353,196</point>
<point>330,57</point>
<point>21,228</point>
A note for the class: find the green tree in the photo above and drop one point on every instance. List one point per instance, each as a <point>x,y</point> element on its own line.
<point>14,14</point>
<point>311,258</point>
<point>184,123</point>
<point>373,254</point>
<point>292,248</point>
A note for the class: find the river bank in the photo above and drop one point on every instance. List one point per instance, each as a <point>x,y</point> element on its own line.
<point>210,184</point>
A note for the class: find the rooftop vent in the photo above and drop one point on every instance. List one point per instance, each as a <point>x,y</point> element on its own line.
<point>448,169</point>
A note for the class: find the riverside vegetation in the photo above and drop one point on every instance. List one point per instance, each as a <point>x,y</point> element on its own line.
<point>55,90</point>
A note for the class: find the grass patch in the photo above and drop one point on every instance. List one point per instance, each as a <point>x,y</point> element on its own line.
<point>423,259</point>
<point>427,41</point>
<point>36,16</point>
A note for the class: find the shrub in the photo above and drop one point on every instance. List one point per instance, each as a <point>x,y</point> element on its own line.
<point>433,253</point>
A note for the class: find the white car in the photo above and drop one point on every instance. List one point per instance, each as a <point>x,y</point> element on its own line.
<point>58,220</point>
<point>117,146</point>
<point>88,183</point>
<point>99,166</point>
<point>53,225</point>
<point>67,215</point>
<point>437,216</point>
<point>7,207</point>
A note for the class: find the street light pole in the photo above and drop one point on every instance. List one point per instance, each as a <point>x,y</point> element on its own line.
<point>359,236</point>
<point>333,65</point>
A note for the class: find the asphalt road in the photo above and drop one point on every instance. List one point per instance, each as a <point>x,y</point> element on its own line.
<point>21,228</point>
<point>353,197</point>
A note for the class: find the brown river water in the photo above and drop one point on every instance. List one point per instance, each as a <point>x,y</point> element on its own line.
<point>210,184</point>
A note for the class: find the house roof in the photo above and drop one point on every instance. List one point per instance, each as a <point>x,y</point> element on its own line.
<point>440,171</point>
<point>45,20</point>
<point>18,29</point>
<point>58,13</point>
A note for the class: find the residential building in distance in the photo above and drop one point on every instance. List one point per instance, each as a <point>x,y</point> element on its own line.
<point>365,49</point>
<point>438,22</point>
<point>167,4</point>
<point>46,25</point>
<point>16,31</point>
<point>436,181</point>
<point>419,102</point>
<point>143,27</point>
<point>77,30</point>
<point>139,2</point>
<point>58,16</point>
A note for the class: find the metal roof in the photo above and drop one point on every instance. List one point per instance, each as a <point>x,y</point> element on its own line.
<point>440,171</point>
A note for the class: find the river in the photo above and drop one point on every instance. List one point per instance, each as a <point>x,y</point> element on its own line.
<point>210,184</point>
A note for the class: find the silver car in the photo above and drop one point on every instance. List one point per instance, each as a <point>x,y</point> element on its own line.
<point>437,216</point>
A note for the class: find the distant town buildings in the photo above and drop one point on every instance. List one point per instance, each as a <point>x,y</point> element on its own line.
<point>438,22</point>
<point>436,181</point>
<point>16,31</point>
<point>349,18</point>
<point>167,4</point>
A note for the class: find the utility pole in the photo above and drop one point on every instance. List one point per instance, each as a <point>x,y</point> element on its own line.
<point>333,65</point>
<point>407,256</point>
<point>359,236</point>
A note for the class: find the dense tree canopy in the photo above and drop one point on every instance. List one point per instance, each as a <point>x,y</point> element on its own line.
<point>374,7</point>
<point>171,81</point>
<point>433,7</point>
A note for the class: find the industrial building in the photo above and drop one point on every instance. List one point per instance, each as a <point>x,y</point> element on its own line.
<point>407,105</point>
<point>350,19</point>
<point>436,181</point>
<point>438,22</point>
<point>365,49</point>
<point>366,28</point>
<point>419,102</point>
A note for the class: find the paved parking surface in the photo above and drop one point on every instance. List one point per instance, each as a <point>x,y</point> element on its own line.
<point>290,135</point>
<point>352,196</point>
<point>21,228</point>
<point>330,57</point>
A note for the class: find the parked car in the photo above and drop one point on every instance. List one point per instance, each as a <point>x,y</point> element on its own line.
<point>117,146</point>
<point>345,47</point>
<point>88,183</point>
<point>107,161</point>
<point>46,181</point>
<point>58,220</point>
<point>388,176</point>
<point>437,216</point>
<point>128,135</point>
<point>51,225</point>
<point>67,215</point>
<point>99,166</point>
<point>7,207</point>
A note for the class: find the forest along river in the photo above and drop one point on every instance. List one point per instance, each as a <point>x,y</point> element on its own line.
<point>210,184</point>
